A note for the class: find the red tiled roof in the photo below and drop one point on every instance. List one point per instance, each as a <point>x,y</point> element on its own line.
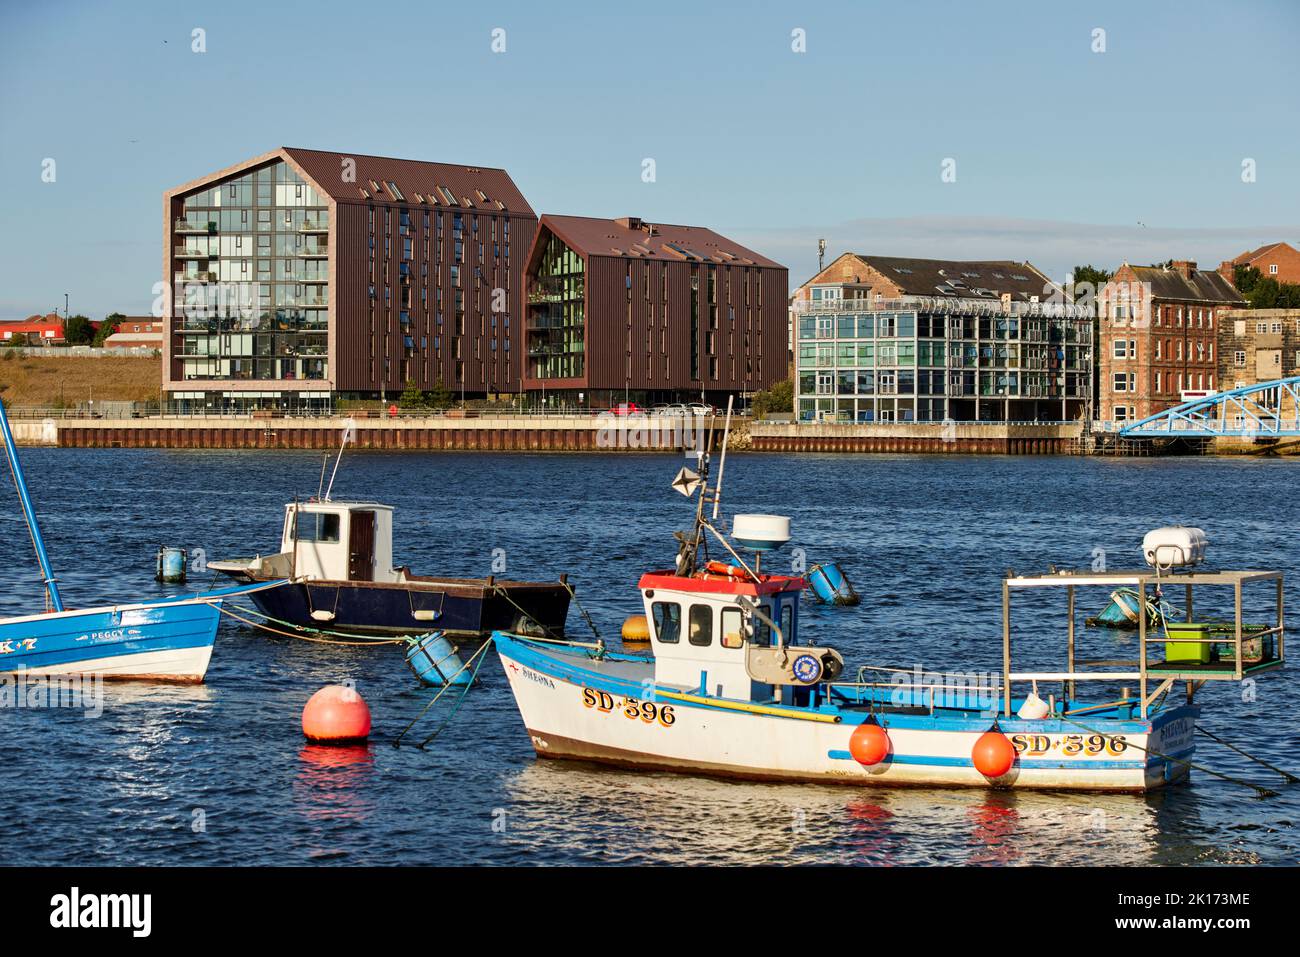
<point>418,182</point>
<point>632,238</point>
<point>1252,255</point>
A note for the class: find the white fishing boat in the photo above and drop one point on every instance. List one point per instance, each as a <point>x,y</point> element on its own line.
<point>733,687</point>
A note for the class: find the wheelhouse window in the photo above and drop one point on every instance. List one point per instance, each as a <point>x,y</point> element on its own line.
<point>701,633</point>
<point>668,621</point>
<point>317,527</point>
<point>732,636</point>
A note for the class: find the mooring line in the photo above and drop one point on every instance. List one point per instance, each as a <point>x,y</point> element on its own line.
<point>1260,790</point>
<point>1290,778</point>
<point>302,632</point>
<point>443,690</point>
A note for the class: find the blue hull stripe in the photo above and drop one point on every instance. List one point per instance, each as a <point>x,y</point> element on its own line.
<point>924,760</point>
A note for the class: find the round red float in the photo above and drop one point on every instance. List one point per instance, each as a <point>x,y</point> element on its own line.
<point>993,754</point>
<point>336,715</point>
<point>869,744</point>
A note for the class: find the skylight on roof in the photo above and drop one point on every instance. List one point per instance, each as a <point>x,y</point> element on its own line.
<point>393,191</point>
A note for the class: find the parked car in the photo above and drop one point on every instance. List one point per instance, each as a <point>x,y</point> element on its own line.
<point>676,408</point>
<point>626,408</point>
<point>659,409</point>
<point>699,408</point>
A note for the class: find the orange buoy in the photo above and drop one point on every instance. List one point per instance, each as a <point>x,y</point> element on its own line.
<point>336,715</point>
<point>869,744</point>
<point>993,754</point>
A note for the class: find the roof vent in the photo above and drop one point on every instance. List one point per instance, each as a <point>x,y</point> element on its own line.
<point>629,222</point>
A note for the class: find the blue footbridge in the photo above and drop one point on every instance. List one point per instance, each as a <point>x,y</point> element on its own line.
<point>1265,410</point>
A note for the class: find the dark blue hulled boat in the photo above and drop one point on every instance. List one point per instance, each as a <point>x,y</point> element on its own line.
<point>338,559</point>
<point>166,640</point>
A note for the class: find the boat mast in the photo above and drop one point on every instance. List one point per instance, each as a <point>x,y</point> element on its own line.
<point>349,433</point>
<point>52,597</point>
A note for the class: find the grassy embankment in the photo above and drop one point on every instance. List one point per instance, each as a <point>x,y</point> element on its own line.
<point>27,381</point>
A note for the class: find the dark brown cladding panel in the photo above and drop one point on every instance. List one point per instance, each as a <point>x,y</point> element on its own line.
<point>486,368</point>
<point>607,334</point>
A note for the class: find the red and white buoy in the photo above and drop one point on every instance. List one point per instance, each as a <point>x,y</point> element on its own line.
<point>336,714</point>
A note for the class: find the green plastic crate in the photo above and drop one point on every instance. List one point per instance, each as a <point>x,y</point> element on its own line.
<point>1189,642</point>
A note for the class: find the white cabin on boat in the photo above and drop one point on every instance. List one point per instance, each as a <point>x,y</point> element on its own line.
<point>730,636</point>
<point>329,541</point>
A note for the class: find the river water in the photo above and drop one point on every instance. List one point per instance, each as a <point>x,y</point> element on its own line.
<point>220,774</point>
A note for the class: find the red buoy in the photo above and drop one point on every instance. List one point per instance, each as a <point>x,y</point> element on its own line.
<point>336,715</point>
<point>869,744</point>
<point>993,754</point>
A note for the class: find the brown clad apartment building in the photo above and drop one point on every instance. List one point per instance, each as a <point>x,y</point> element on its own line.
<point>626,310</point>
<point>300,276</point>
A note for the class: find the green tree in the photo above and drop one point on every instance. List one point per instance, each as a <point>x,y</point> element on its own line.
<point>779,398</point>
<point>412,397</point>
<point>107,328</point>
<point>1245,278</point>
<point>78,331</point>
<point>439,397</point>
<point>1090,273</point>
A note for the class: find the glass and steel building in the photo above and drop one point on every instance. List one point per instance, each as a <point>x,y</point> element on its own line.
<point>986,343</point>
<point>302,276</point>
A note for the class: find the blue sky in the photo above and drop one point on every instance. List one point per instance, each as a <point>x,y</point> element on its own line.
<point>1061,152</point>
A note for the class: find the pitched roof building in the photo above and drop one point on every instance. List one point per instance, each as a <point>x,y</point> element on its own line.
<point>1157,337</point>
<point>893,277</point>
<point>652,312</point>
<point>1280,261</point>
<point>299,275</point>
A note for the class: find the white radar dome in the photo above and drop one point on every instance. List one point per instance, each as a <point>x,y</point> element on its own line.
<point>761,533</point>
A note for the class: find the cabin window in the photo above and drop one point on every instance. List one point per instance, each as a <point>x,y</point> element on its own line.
<point>668,621</point>
<point>787,622</point>
<point>318,527</point>
<point>762,636</point>
<point>701,634</point>
<point>732,636</point>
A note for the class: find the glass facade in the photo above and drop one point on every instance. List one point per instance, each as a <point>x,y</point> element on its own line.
<point>858,362</point>
<point>556,321</point>
<point>251,281</point>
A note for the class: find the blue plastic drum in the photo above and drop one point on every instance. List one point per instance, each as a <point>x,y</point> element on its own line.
<point>435,662</point>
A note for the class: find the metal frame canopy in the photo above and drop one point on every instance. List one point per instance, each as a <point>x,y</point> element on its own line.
<point>1166,673</point>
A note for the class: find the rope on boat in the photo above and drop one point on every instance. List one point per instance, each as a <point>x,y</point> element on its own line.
<point>1290,778</point>
<point>573,595</point>
<point>306,633</point>
<point>443,690</point>
<point>1260,790</point>
<point>503,593</point>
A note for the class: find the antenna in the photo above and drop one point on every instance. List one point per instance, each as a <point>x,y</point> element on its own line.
<point>722,460</point>
<point>320,487</point>
<point>349,434</point>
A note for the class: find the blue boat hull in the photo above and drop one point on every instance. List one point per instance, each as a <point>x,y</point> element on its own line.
<point>168,640</point>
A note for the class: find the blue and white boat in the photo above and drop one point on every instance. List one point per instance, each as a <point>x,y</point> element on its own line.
<point>732,687</point>
<point>165,640</point>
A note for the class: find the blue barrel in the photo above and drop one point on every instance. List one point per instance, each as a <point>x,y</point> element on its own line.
<point>171,565</point>
<point>435,662</point>
<point>829,585</point>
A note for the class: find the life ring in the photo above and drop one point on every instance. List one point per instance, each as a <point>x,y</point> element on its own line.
<point>723,570</point>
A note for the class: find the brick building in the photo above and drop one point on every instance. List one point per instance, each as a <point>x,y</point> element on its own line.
<point>622,309</point>
<point>34,330</point>
<point>1157,328</point>
<point>1279,261</point>
<point>1258,345</point>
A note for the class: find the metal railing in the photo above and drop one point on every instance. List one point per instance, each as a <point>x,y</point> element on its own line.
<point>943,304</point>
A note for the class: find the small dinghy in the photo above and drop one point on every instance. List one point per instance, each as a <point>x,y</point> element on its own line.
<point>733,687</point>
<point>166,640</point>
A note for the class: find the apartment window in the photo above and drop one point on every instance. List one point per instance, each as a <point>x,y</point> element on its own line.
<point>1159,351</point>
<point>1276,328</point>
<point>1120,349</point>
<point>1261,327</point>
<point>1159,389</point>
<point>1239,359</point>
<point>1272,269</point>
<point>1120,383</point>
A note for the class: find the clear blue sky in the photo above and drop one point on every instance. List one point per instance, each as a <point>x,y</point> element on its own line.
<point>1060,152</point>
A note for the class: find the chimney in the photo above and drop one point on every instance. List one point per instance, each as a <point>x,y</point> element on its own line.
<point>1184,268</point>
<point>629,222</point>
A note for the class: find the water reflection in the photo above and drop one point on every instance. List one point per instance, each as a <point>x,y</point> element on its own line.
<point>334,783</point>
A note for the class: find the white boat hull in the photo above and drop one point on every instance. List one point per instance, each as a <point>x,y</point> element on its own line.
<point>562,722</point>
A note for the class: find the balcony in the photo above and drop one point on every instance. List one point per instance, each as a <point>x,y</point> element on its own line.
<point>184,226</point>
<point>314,226</point>
<point>313,253</point>
<point>190,252</point>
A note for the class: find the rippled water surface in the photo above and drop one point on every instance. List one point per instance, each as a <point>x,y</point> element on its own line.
<point>220,774</point>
